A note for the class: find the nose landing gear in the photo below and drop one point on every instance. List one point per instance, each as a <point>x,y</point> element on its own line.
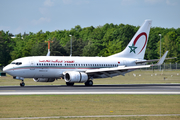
<point>22,84</point>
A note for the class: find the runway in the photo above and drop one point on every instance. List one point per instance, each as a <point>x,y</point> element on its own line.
<point>96,89</point>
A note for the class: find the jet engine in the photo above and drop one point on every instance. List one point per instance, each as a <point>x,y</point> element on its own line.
<point>44,79</point>
<point>75,77</point>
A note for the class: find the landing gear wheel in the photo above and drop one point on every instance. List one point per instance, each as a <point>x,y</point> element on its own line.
<point>69,84</point>
<point>22,84</point>
<point>89,83</point>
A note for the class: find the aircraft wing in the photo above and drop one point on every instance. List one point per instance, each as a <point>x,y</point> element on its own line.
<point>121,70</point>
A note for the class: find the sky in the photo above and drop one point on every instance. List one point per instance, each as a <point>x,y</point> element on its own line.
<point>19,16</point>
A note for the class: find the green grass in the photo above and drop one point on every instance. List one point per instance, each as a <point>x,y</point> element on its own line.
<point>142,77</point>
<point>82,105</point>
<point>79,105</point>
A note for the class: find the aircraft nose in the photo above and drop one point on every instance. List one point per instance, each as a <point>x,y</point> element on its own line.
<point>5,69</point>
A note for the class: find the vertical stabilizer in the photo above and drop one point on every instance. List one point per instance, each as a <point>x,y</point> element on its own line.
<point>137,46</point>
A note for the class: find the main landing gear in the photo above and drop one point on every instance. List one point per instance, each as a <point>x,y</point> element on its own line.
<point>22,84</point>
<point>89,83</point>
<point>69,84</point>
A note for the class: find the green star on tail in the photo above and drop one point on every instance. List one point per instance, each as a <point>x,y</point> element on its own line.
<point>132,48</point>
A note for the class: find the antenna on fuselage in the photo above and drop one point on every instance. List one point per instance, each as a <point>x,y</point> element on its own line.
<point>48,54</point>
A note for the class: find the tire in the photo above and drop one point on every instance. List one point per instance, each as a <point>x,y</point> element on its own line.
<point>89,83</point>
<point>22,84</point>
<point>69,84</point>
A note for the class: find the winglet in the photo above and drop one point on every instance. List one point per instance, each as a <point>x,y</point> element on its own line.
<point>48,54</point>
<point>161,60</point>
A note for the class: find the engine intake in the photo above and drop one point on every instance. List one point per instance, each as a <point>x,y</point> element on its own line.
<point>44,79</point>
<point>76,77</point>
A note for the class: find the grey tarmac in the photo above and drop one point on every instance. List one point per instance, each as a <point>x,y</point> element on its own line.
<point>95,89</point>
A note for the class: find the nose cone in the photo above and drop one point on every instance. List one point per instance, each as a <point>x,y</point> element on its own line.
<point>5,69</point>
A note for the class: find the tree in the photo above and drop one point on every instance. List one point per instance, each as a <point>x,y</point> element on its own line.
<point>90,49</point>
<point>170,43</point>
<point>57,49</point>
<point>6,46</point>
<point>90,41</point>
<point>39,49</point>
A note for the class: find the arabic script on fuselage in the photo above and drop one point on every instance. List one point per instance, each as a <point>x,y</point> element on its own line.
<point>57,61</point>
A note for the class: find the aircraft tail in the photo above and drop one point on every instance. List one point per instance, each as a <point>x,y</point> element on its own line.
<point>137,46</point>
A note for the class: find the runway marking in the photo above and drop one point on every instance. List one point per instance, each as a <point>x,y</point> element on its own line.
<point>95,116</point>
<point>86,93</point>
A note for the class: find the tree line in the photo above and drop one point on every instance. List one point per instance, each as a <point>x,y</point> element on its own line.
<point>89,41</point>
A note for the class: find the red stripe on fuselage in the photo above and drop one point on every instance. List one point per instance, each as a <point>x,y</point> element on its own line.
<point>48,68</point>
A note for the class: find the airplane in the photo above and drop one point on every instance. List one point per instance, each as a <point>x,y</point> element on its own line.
<point>74,69</point>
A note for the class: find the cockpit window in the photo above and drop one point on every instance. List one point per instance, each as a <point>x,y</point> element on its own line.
<point>17,63</point>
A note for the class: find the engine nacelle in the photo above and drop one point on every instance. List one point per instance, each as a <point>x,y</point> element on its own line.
<point>44,79</point>
<point>75,77</point>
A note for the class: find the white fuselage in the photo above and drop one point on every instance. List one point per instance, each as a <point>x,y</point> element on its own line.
<point>54,66</point>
